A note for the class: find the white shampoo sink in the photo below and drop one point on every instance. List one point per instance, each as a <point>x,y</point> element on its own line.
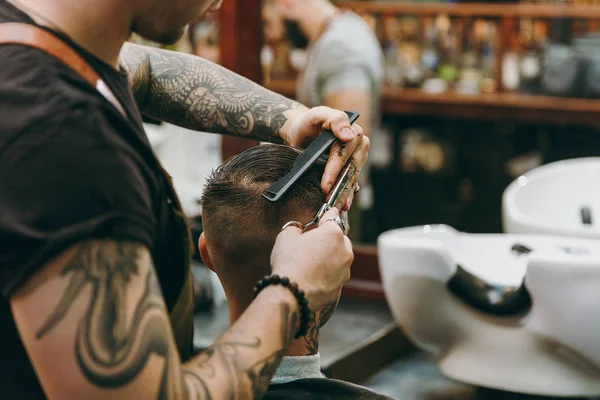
<point>519,313</point>
<point>560,198</point>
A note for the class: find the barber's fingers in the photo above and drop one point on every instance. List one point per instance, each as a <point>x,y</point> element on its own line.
<point>345,201</point>
<point>341,153</point>
<point>341,128</point>
<point>329,216</point>
<point>357,152</point>
<point>335,120</point>
<point>306,125</point>
<point>330,227</point>
<point>347,197</point>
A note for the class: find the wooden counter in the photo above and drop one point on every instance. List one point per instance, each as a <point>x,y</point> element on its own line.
<point>474,9</point>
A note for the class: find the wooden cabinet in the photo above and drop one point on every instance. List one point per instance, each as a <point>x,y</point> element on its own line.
<point>240,41</point>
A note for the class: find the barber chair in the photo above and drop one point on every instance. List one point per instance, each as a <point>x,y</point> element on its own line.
<point>514,313</point>
<point>560,198</point>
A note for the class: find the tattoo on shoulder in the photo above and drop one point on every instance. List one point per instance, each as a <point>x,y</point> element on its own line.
<point>201,95</point>
<point>112,348</point>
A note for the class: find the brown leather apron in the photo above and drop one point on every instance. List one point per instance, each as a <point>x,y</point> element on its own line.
<point>182,313</point>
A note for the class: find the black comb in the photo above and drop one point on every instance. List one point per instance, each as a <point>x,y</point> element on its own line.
<point>304,161</point>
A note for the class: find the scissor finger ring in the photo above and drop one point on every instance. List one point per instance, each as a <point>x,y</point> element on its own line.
<point>292,223</point>
<point>338,221</point>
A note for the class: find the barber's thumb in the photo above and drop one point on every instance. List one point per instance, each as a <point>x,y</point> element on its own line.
<point>332,213</point>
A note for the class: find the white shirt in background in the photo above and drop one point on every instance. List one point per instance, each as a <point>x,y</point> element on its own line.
<point>189,157</point>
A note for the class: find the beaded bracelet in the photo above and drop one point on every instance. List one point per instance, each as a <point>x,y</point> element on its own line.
<point>299,294</point>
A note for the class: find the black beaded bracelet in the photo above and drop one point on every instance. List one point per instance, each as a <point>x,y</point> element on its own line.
<point>302,302</point>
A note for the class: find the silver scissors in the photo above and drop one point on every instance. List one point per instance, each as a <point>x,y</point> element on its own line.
<point>340,185</point>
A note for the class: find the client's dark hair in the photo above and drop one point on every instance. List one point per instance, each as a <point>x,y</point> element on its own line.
<point>239,222</point>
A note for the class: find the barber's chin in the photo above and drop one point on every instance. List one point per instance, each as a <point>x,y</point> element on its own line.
<point>164,38</point>
<point>172,37</point>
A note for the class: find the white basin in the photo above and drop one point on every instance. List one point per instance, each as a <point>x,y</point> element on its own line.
<point>550,346</point>
<point>549,199</point>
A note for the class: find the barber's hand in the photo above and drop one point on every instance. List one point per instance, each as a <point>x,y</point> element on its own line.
<point>306,125</point>
<point>318,260</point>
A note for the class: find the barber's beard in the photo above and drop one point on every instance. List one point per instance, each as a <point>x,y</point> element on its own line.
<point>295,35</point>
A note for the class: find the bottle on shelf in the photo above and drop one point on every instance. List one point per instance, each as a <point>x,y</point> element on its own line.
<point>410,53</point>
<point>561,62</point>
<point>470,63</point>
<point>487,53</point>
<point>530,63</point>
<point>430,56</point>
<point>448,41</point>
<point>430,59</point>
<point>267,58</point>
<point>511,76</point>
<point>389,43</point>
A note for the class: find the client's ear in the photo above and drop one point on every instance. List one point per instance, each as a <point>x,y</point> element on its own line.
<point>204,252</point>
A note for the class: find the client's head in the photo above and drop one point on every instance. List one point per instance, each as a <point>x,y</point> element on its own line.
<point>240,225</point>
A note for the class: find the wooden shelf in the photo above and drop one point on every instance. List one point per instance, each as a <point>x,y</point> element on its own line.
<point>498,106</point>
<point>239,47</point>
<point>474,9</point>
<point>504,106</point>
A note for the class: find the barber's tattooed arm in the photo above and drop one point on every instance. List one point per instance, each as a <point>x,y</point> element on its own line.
<point>97,312</point>
<point>195,93</point>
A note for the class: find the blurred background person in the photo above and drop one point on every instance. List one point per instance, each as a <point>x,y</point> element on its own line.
<point>343,67</point>
<point>204,40</point>
<point>275,55</point>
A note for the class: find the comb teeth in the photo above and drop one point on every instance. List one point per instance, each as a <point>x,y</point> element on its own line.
<point>303,162</point>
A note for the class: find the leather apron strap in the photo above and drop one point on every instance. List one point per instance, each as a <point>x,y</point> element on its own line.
<point>33,36</point>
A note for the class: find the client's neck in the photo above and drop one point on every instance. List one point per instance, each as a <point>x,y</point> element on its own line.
<point>304,346</point>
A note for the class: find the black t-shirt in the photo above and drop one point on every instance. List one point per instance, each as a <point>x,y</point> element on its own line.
<point>321,389</point>
<point>72,168</point>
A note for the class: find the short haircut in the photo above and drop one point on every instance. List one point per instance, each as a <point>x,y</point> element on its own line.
<point>239,223</point>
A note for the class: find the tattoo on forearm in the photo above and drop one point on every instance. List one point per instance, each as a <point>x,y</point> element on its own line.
<point>136,65</point>
<point>113,348</point>
<point>228,353</point>
<point>260,374</point>
<point>197,94</point>
<point>311,338</point>
<point>327,313</point>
